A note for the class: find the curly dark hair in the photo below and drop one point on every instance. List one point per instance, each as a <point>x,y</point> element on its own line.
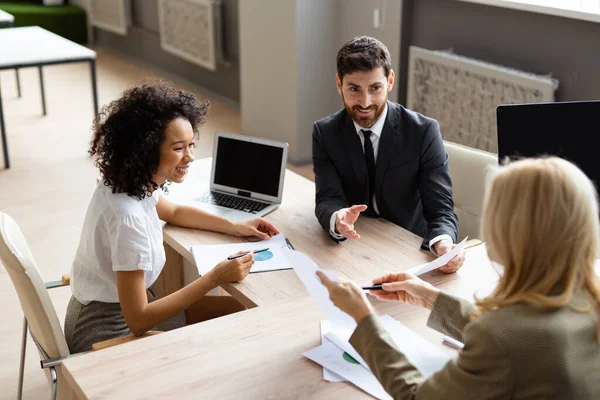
<point>128,133</point>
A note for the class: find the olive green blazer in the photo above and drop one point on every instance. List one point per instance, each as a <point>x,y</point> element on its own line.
<point>515,352</point>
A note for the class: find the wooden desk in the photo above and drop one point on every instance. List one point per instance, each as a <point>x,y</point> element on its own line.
<point>255,354</point>
<point>383,247</point>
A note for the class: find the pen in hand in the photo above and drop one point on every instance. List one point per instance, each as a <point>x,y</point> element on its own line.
<point>234,256</point>
<point>373,287</point>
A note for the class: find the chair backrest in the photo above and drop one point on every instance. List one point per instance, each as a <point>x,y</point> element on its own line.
<point>469,171</point>
<point>33,295</point>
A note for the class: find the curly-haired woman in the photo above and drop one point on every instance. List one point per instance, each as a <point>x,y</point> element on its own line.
<point>140,142</point>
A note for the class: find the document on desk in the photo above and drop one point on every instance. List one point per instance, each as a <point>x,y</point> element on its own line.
<point>334,359</point>
<point>328,375</point>
<point>207,256</point>
<point>337,362</point>
<point>424,355</point>
<point>438,262</point>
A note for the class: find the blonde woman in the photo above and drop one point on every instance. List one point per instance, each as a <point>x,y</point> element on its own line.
<point>538,334</point>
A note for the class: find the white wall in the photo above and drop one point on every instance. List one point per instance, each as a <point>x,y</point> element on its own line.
<point>268,70</point>
<point>287,62</point>
<point>317,96</point>
<point>356,19</point>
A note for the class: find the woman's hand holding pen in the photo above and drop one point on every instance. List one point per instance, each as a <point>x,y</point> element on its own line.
<point>232,270</point>
<point>406,288</point>
<point>256,227</point>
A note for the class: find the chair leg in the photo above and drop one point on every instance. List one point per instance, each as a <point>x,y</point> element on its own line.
<point>22,364</point>
<point>53,379</point>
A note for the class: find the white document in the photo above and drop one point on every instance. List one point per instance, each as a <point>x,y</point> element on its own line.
<point>332,358</point>
<point>340,336</point>
<point>306,270</point>
<point>424,355</point>
<point>208,256</point>
<point>328,375</point>
<point>438,262</point>
<point>338,362</point>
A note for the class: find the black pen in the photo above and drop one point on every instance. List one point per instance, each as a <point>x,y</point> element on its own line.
<point>234,256</point>
<point>374,287</point>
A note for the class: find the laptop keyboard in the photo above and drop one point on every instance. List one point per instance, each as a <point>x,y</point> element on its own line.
<point>237,203</point>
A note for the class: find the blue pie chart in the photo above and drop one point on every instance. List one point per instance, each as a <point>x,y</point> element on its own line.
<point>263,256</point>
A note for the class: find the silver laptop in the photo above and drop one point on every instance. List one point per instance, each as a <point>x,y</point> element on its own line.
<point>247,175</point>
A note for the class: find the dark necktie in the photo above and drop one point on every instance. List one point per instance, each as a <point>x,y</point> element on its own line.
<point>370,159</point>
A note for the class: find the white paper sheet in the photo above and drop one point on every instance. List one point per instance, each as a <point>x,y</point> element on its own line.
<point>597,267</point>
<point>332,358</point>
<point>340,336</point>
<point>438,262</point>
<point>424,355</point>
<point>207,256</point>
<point>306,270</point>
<point>328,375</point>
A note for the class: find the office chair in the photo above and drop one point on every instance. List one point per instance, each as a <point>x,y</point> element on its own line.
<point>39,313</point>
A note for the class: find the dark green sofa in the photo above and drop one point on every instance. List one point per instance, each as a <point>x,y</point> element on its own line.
<point>68,21</point>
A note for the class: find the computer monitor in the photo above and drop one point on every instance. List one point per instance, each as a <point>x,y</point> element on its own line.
<point>565,129</point>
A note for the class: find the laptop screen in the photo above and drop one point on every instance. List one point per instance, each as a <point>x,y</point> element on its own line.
<point>253,167</point>
<point>567,130</point>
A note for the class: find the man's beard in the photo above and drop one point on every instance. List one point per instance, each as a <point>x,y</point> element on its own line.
<point>365,122</point>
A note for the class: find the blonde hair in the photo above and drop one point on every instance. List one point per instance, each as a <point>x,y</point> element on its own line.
<point>541,224</point>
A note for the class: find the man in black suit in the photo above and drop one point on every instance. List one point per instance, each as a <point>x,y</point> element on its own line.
<point>377,157</point>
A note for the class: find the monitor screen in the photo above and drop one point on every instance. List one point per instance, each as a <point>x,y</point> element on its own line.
<point>253,167</point>
<point>568,130</point>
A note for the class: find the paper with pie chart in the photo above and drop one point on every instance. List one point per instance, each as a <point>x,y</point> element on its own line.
<point>207,256</point>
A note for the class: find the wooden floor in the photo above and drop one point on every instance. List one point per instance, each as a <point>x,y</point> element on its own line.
<point>51,181</point>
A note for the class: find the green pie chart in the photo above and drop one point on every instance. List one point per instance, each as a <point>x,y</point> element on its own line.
<point>350,359</point>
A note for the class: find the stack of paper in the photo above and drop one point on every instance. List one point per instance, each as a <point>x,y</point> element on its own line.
<point>339,359</point>
<point>339,364</point>
<point>208,256</point>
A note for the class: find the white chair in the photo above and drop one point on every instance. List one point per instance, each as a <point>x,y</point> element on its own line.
<point>469,171</point>
<point>39,313</point>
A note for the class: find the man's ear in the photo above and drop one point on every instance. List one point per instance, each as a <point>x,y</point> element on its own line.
<point>391,79</point>
<point>338,83</point>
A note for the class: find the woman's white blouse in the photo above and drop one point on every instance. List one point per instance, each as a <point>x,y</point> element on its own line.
<point>120,233</point>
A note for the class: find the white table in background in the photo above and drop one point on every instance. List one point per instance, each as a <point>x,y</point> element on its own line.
<point>33,46</point>
<point>6,19</point>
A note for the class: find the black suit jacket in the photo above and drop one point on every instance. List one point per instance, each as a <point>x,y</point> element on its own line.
<point>413,188</point>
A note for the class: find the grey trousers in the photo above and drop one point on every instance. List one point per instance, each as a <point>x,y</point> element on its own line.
<point>97,321</point>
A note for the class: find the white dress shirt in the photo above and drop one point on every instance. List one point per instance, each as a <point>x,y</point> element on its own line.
<point>120,233</point>
<point>376,130</point>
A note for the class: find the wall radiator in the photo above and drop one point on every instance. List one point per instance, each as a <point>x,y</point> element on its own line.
<point>462,94</point>
<point>111,15</point>
<point>192,30</point>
